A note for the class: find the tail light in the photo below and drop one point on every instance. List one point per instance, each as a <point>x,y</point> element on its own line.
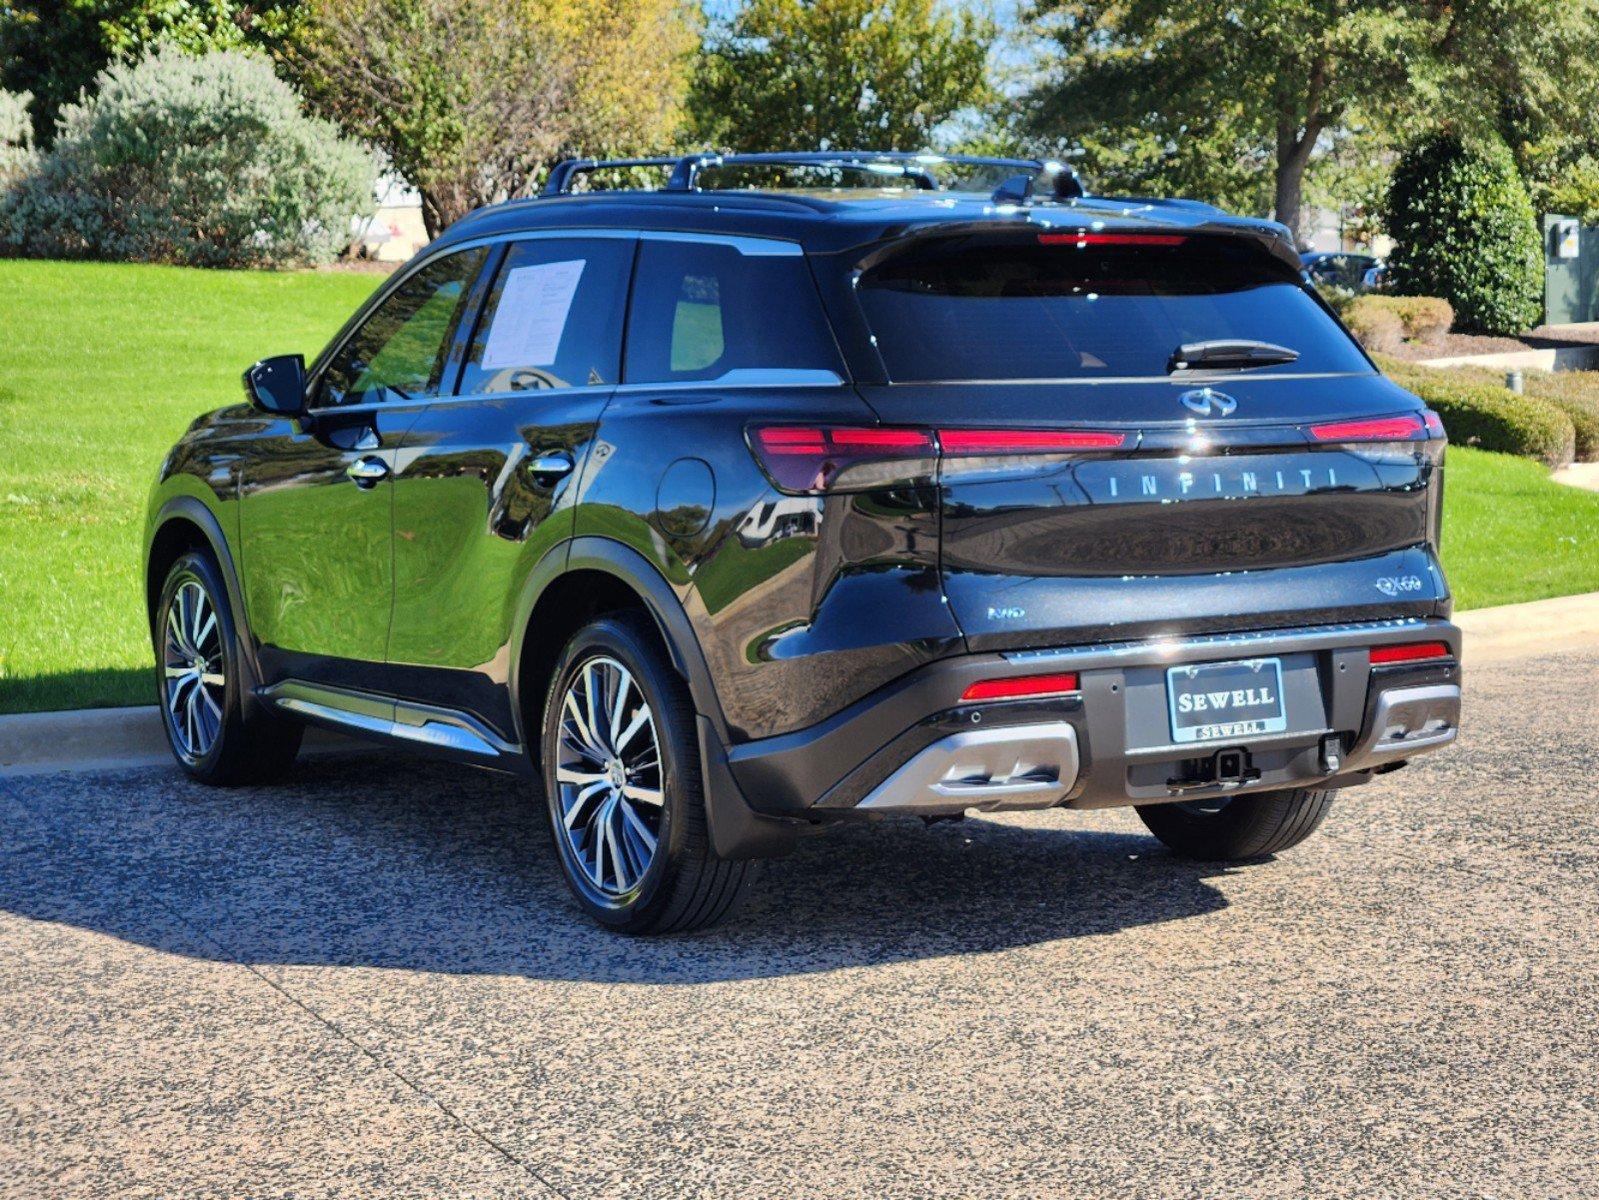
<point>1380,429</point>
<point>1409,652</point>
<point>816,458</point>
<point>1086,237</point>
<point>1021,687</point>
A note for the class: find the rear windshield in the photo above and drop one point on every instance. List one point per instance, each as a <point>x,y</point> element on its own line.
<point>969,308</point>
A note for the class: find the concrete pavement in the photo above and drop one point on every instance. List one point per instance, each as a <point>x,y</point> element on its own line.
<point>370,982</point>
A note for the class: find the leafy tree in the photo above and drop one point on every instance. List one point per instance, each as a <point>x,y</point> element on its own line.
<point>55,48</point>
<point>472,99</point>
<point>1210,95</point>
<point>839,74</point>
<point>1466,231</point>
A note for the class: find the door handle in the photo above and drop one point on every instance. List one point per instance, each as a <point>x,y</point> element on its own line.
<point>551,466</point>
<point>367,471</point>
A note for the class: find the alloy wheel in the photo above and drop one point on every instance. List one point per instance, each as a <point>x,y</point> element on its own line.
<point>191,661</point>
<point>608,776</point>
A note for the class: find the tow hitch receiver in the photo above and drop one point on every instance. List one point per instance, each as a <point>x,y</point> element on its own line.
<point>1225,768</point>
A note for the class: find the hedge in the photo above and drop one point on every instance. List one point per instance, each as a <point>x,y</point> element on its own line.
<point>1478,412</point>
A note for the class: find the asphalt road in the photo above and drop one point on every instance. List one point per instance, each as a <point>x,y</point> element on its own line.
<point>371,983</point>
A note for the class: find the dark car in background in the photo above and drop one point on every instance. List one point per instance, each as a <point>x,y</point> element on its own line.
<point>732,513</point>
<point>1341,268</point>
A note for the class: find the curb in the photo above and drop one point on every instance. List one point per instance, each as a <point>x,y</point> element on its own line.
<point>108,739</point>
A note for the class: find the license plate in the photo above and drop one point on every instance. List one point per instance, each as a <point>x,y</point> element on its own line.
<point>1224,701</point>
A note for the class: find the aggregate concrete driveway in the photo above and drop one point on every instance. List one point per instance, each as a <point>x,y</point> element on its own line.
<point>371,983</point>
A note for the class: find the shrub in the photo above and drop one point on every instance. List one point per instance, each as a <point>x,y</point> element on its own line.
<point>1479,412</point>
<point>1376,327</point>
<point>16,136</point>
<point>1466,231</point>
<point>200,160</point>
<point>1426,318</point>
<point>1576,393</point>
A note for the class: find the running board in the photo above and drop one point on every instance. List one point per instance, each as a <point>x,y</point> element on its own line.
<point>424,726</point>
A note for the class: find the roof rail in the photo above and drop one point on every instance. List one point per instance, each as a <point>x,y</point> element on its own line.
<point>1020,188</point>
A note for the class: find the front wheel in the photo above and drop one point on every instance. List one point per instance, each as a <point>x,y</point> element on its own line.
<point>1237,828</point>
<point>623,786</point>
<point>214,734</point>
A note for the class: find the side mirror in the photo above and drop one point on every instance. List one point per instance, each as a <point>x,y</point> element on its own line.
<point>277,385</point>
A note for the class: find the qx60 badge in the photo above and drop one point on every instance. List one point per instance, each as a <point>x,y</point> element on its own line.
<point>1208,402</point>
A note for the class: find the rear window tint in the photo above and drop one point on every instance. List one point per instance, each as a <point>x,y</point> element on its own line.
<point>1005,308</point>
<point>701,311</point>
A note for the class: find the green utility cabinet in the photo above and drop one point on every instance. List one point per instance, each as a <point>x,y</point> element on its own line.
<point>1571,271</point>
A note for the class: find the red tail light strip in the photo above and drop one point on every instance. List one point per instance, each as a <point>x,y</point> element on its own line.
<point>1410,652</point>
<point>1381,429</point>
<point>1022,686</point>
<point>1023,441</point>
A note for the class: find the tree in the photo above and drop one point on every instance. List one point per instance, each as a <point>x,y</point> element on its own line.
<point>839,74</point>
<point>1201,91</point>
<point>55,48</point>
<point>1465,230</point>
<point>473,99</point>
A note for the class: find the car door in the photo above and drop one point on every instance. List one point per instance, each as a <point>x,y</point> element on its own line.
<point>485,484</point>
<point>316,516</point>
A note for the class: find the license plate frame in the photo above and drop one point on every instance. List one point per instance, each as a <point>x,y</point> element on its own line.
<point>1243,677</point>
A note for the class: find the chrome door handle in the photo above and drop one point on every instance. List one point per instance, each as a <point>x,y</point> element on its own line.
<point>554,465</point>
<point>367,471</point>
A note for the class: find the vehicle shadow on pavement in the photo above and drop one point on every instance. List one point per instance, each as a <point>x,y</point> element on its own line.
<point>381,861</point>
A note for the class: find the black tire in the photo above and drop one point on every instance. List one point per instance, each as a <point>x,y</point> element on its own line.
<point>685,885</point>
<point>246,744</point>
<point>1243,828</point>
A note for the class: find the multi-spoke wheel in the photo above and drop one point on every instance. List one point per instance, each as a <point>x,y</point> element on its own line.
<point>608,774</point>
<point>202,700</point>
<point>622,780</point>
<point>192,661</point>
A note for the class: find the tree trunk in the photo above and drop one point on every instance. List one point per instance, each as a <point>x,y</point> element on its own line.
<point>1295,144</point>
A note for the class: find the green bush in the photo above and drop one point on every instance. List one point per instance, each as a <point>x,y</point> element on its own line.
<point>205,161</point>
<point>1479,412</point>
<point>1466,231</point>
<point>1576,393</point>
<point>1426,318</point>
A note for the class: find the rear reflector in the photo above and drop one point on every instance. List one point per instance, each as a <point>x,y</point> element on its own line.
<point>1086,238</point>
<point>1380,429</point>
<point>1411,652</point>
<point>1021,686</point>
<point>1027,441</point>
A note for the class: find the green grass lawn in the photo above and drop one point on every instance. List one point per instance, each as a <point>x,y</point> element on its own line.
<point>102,367</point>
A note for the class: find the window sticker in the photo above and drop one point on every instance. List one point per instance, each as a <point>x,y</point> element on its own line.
<point>531,316</point>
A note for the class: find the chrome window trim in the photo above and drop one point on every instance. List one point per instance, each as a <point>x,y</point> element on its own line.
<point>751,247</point>
<point>1186,380</point>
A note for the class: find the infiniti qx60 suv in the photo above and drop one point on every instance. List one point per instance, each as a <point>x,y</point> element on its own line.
<point>730,512</point>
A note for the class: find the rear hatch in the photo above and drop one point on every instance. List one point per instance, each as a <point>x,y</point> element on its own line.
<point>1150,433</point>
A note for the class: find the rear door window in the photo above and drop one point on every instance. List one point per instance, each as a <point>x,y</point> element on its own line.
<point>705,310</point>
<point>553,318</point>
<point>985,307</point>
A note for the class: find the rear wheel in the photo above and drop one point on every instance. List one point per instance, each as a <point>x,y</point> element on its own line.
<point>201,688</point>
<point>1238,828</point>
<point>623,787</point>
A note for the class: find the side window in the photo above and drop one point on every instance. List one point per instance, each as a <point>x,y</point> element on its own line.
<point>703,310</point>
<point>398,352</point>
<point>553,318</point>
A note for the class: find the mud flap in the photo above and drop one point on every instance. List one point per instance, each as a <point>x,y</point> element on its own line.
<point>737,831</point>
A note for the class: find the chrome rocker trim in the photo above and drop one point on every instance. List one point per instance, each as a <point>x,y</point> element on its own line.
<point>366,714</point>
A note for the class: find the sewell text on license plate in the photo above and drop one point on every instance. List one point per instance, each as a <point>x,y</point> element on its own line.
<point>1219,701</point>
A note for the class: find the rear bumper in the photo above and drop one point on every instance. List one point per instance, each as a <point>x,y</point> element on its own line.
<point>914,748</point>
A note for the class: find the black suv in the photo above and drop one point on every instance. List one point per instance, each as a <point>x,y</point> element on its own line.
<point>732,512</point>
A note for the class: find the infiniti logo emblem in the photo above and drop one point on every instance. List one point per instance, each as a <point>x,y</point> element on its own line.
<point>1208,402</point>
